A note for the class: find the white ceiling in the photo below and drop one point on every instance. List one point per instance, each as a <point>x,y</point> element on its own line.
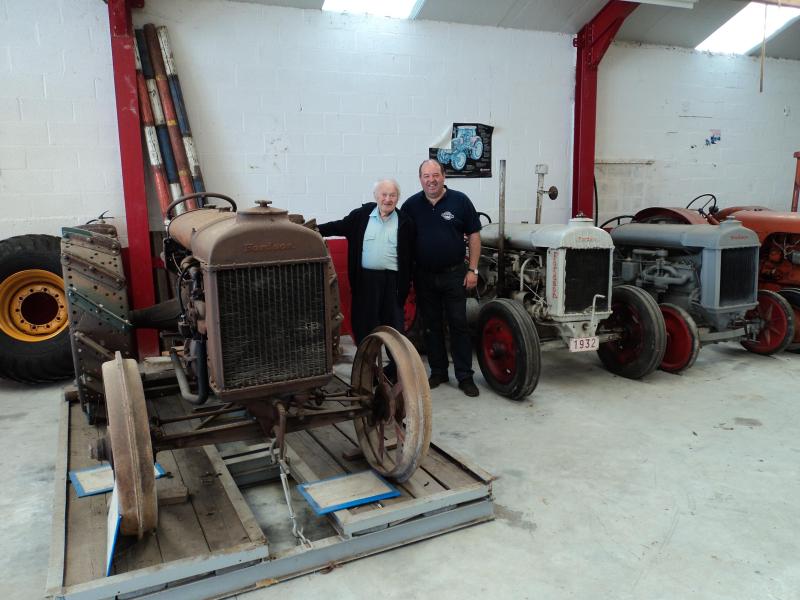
<point>648,23</point>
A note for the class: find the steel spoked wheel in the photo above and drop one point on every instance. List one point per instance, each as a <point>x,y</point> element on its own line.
<point>775,320</point>
<point>396,434</point>
<point>642,340</point>
<point>131,447</point>
<point>508,348</point>
<point>683,339</point>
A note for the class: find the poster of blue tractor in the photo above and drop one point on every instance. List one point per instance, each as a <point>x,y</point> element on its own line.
<point>469,154</point>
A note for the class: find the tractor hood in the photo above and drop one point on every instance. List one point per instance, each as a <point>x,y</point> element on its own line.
<point>767,222</point>
<point>729,234</point>
<point>578,233</point>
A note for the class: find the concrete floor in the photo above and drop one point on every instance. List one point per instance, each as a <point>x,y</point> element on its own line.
<point>674,487</point>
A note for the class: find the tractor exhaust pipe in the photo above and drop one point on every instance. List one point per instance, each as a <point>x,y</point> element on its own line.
<point>501,246</point>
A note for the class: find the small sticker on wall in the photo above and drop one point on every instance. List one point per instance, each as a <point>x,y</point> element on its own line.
<point>715,137</point>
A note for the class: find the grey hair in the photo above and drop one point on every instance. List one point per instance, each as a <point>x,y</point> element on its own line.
<point>391,181</point>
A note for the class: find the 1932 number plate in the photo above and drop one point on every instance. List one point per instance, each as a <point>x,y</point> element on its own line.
<point>583,344</point>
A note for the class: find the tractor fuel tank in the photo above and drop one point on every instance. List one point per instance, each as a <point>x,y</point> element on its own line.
<point>579,233</point>
<point>729,234</point>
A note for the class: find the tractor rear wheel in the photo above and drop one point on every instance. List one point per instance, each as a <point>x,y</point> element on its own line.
<point>777,323</point>
<point>792,295</point>
<point>395,436</point>
<point>508,348</point>
<point>131,446</point>
<point>643,338</point>
<point>683,339</point>
<point>34,335</point>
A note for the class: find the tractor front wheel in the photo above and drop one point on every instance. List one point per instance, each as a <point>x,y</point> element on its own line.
<point>683,339</point>
<point>643,339</point>
<point>131,446</point>
<point>34,321</point>
<point>396,434</point>
<point>776,318</point>
<point>508,348</point>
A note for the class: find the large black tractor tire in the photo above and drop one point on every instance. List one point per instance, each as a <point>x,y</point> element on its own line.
<point>34,321</point>
<point>508,350</point>
<point>640,349</point>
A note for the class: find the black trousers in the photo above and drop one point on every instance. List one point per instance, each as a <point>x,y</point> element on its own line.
<point>439,293</point>
<point>375,303</point>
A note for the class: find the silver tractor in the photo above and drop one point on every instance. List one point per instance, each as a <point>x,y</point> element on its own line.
<point>543,286</point>
<point>705,279</point>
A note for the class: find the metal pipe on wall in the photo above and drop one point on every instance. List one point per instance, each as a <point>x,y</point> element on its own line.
<point>176,140</point>
<point>151,138</point>
<point>159,122</point>
<point>501,246</point>
<point>180,110</point>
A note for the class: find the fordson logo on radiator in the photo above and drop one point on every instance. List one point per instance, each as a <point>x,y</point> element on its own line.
<point>268,247</point>
<point>739,236</point>
<point>554,269</point>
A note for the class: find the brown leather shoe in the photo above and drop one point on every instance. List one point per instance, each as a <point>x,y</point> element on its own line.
<point>435,379</point>
<point>468,387</point>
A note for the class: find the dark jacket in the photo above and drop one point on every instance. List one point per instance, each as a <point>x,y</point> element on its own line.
<point>353,227</point>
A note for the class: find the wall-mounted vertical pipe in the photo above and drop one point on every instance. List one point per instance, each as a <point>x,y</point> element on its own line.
<point>159,122</point>
<point>796,194</point>
<point>151,139</point>
<point>180,111</point>
<point>175,138</point>
<point>501,242</point>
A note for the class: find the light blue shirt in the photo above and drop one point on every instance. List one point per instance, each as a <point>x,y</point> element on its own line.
<point>380,242</point>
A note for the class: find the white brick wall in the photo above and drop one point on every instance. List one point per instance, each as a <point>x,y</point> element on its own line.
<point>309,108</point>
<point>660,104</point>
<point>59,161</point>
<point>303,107</point>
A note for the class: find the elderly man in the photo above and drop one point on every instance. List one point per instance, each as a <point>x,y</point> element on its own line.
<point>443,217</point>
<point>380,241</point>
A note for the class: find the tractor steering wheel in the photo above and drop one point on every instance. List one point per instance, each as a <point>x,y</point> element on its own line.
<point>618,219</point>
<point>188,197</point>
<point>712,200</point>
<point>488,218</point>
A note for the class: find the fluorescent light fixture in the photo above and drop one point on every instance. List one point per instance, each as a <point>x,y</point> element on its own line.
<point>399,9</point>
<point>671,3</point>
<point>745,30</point>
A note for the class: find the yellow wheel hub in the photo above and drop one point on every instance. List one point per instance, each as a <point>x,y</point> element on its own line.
<point>32,305</point>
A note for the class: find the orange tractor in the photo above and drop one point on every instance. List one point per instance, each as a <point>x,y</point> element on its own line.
<point>778,232</point>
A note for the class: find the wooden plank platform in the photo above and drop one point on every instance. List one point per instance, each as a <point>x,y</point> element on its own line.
<point>207,531</point>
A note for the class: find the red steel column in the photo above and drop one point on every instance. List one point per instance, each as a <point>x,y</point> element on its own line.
<point>130,149</point>
<point>592,42</point>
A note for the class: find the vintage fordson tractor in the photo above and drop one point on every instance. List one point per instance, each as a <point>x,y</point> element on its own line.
<point>779,258</point>
<point>255,322</point>
<point>550,286</point>
<point>705,279</point>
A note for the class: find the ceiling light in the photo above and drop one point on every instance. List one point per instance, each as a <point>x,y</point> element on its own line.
<point>745,30</point>
<point>399,9</point>
<point>672,3</point>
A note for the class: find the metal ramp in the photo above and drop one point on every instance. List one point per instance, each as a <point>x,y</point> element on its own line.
<point>209,543</point>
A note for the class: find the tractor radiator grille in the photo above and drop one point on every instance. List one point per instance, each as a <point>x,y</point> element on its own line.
<point>738,276</point>
<point>586,274</point>
<point>272,323</point>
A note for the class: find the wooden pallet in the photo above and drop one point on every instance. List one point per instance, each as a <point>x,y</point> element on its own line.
<point>209,543</point>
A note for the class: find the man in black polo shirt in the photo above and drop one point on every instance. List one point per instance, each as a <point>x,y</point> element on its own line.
<point>443,217</point>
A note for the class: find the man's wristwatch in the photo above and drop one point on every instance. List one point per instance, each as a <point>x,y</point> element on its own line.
<point>473,271</point>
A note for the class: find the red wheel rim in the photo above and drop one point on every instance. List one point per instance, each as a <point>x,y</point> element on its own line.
<point>680,340</point>
<point>629,345</point>
<point>774,326</point>
<point>498,349</point>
